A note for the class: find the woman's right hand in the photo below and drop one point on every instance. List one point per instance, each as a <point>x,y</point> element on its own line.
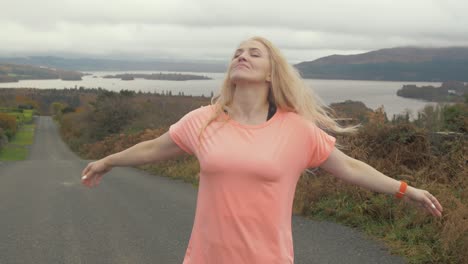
<point>93,173</point>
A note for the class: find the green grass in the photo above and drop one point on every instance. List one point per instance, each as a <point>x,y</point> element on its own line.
<point>17,148</point>
<point>13,152</point>
<point>24,136</point>
<point>417,242</point>
<point>28,115</point>
<point>25,117</point>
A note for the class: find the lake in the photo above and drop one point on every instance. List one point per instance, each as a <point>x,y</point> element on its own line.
<point>372,93</point>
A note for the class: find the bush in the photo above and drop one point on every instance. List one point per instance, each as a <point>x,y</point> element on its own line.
<point>456,118</point>
<point>3,139</point>
<point>111,113</point>
<point>8,124</point>
<point>404,152</point>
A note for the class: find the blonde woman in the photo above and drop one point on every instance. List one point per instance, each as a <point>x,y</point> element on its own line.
<point>253,141</point>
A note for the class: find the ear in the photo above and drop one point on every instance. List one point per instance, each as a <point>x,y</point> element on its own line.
<point>268,78</point>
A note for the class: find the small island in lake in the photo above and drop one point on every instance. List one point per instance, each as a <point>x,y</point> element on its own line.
<point>450,91</point>
<point>158,76</point>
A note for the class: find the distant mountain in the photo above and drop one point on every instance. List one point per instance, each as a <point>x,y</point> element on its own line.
<point>87,64</point>
<point>157,76</point>
<point>394,64</point>
<point>15,72</point>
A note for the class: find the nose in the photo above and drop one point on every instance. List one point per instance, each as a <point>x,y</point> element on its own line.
<point>241,58</point>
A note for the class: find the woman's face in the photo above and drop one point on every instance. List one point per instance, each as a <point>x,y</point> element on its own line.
<point>250,63</point>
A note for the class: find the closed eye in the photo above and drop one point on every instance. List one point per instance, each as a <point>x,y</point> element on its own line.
<point>253,55</point>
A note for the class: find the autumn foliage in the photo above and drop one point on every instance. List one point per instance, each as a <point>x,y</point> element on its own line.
<point>8,124</point>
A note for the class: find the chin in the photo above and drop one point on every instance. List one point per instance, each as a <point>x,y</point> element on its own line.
<point>240,78</point>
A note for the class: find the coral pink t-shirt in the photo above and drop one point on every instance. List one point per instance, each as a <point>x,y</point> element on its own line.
<point>248,177</point>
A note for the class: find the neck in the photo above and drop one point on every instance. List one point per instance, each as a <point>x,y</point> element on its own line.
<point>250,100</point>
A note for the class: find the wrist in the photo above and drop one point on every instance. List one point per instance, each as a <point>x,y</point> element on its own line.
<point>108,161</point>
<point>402,190</point>
<point>410,191</point>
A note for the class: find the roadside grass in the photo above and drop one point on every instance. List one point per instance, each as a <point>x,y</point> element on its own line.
<point>403,233</point>
<point>406,229</point>
<point>24,118</point>
<point>21,117</point>
<point>13,153</point>
<point>24,136</point>
<point>18,149</point>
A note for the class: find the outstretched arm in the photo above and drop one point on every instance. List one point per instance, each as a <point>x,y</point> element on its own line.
<point>359,173</point>
<point>159,149</point>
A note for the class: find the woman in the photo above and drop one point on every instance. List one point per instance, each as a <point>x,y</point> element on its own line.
<point>253,142</point>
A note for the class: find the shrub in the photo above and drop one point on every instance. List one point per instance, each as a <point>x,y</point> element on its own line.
<point>456,118</point>
<point>3,139</point>
<point>9,125</point>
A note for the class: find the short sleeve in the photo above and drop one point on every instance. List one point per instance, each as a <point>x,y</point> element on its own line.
<point>320,145</point>
<point>185,131</point>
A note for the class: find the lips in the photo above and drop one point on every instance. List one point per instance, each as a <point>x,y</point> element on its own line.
<point>241,65</point>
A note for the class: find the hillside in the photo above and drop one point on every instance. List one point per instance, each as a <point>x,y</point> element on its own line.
<point>393,64</point>
<point>15,72</point>
<point>156,76</point>
<point>92,64</point>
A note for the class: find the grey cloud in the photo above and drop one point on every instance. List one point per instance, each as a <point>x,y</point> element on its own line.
<point>376,17</point>
<point>212,28</point>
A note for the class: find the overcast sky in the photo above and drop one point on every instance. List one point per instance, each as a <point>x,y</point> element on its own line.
<point>211,29</point>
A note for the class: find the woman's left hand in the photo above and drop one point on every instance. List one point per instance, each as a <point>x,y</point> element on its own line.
<point>424,199</point>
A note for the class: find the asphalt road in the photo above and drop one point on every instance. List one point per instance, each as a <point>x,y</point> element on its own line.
<point>47,216</point>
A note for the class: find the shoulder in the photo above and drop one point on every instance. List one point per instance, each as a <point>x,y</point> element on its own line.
<point>292,116</point>
<point>202,112</point>
<point>204,109</point>
<point>301,124</point>
<point>297,120</point>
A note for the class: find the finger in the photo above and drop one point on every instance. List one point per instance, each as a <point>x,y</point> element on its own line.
<point>87,177</point>
<point>98,180</point>
<point>90,181</point>
<point>85,183</point>
<point>428,203</point>
<point>428,209</point>
<point>434,210</point>
<point>434,203</point>
<point>431,207</point>
<point>94,181</point>
<point>86,170</point>
<point>87,180</point>
<point>438,205</point>
<point>84,178</point>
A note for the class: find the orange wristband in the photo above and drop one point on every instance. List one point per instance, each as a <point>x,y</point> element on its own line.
<point>402,190</point>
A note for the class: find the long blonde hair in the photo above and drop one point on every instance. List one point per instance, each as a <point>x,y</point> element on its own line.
<point>288,92</point>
